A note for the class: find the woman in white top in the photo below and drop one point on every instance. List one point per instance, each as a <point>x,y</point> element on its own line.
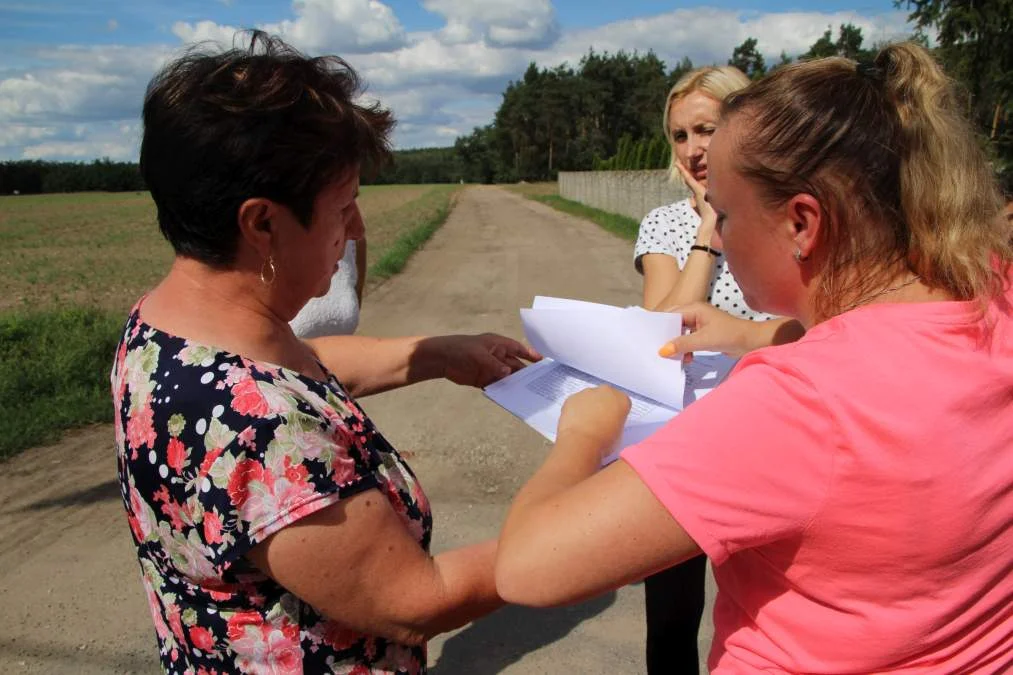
<point>337,312</point>
<point>677,250</point>
<point>679,254</point>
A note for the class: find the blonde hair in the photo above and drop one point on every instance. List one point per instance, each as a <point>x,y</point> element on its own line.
<point>902,180</point>
<point>718,82</point>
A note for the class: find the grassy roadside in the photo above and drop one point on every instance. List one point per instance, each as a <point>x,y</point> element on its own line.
<point>419,221</point>
<point>55,373</point>
<point>75,263</point>
<point>547,193</point>
<point>427,221</point>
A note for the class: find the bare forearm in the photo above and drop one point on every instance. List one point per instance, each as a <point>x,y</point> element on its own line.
<point>524,538</point>
<point>576,532</point>
<point>458,588</point>
<point>369,365</point>
<point>466,581</point>
<point>692,283</point>
<point>769,333</point>
<point>562,469</point>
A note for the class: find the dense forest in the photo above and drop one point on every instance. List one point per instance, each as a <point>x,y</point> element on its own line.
<point>605,112</point>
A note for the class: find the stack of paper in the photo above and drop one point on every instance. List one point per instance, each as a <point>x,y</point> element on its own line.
<point>587,344</point>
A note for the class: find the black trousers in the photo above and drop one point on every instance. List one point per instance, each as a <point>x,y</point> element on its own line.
<point>675,599</point>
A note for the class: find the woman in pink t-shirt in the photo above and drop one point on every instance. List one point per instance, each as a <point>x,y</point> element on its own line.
<point>854,490</point>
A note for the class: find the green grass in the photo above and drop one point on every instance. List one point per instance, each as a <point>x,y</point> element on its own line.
<point>429,216</point>
<point>621,226</point>
<point>72,266</point>
<point>55,373</point>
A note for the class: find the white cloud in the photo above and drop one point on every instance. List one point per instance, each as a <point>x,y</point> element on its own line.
<point>342,26</point>
<point>82,150</point>
<point>23,134</point>
<point>80,83</point>
<point>709,35</point>
<point>82,142</point>
<point>205,31</point>
<point>521,23</point>
<point>437,115</point>
<point>440,83</point>
<point>428,60</point>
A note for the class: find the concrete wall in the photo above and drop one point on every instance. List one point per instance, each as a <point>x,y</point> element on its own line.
<point>630,193</point>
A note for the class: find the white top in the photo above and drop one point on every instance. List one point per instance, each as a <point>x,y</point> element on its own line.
<point>671,230</point>
<point>336,313</point>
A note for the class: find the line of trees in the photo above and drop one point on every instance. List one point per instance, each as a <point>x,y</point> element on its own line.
<point>102,175</point>
<point>428,165</point>
<point>648,153</point>
<point>569,119</point>
<point>605,114</point>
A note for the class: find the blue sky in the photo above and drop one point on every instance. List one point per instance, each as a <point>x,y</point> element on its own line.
<point>72,74</point>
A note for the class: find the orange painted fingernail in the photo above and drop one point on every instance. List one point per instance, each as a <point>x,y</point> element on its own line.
<point>667,350</point>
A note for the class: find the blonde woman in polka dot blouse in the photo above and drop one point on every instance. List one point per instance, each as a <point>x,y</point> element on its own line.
<point>678,250</point>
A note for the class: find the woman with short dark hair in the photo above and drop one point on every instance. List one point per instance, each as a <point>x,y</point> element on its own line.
<point>277,530</point>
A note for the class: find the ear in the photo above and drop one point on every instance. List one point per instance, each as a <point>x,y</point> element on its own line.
<point>254,220</point>
<point>807,222</point>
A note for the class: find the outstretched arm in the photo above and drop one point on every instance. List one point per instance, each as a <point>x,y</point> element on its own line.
<point>574,532</point>
<point>368,365</point>
<point>712,329</point>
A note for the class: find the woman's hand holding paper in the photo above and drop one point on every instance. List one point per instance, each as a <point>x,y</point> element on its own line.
<point>594,418</point>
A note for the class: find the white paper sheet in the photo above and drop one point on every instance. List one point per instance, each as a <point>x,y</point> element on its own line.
<point>620,347</point>
<point>588,344</point>
<point>536,395</point>
<point>548,302</point>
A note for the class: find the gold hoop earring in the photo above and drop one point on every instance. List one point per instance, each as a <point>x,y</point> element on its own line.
<point>799,258</point>
<point>268,266</point>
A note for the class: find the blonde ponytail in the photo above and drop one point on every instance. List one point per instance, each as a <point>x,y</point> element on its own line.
<point>949,197</point>
<point>900,175</point>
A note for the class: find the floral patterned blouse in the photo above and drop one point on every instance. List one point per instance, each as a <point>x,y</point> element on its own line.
<point>217,452</point>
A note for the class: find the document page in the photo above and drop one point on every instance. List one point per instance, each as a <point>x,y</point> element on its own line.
<point>536,395</point>
<point>619,346</point>
<point>548,302</point>
<point>588,344</point>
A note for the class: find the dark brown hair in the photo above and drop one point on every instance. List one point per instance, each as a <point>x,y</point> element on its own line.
<point>899,173</point>
<point>221,127</point>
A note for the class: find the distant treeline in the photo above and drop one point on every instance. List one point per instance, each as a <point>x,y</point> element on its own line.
<point>431,165</point>
<point>33,177</point>
<point>421,166</point>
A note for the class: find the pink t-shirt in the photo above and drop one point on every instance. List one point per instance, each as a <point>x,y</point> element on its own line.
<point>854,491</point>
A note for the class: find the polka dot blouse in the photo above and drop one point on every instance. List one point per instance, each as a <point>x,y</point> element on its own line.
<point>671,230</point>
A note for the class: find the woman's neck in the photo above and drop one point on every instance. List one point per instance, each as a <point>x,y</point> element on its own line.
<point>907,288</point>
<point>226,308</point>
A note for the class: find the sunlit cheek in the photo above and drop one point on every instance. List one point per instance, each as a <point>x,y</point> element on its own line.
<point>681,151</point>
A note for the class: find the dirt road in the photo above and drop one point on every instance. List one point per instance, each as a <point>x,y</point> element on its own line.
<point>70,594</point>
